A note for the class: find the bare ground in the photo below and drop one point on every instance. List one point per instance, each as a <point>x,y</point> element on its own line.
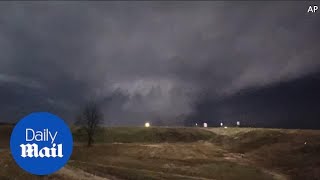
<point>229,154</point>
<point>241,159</point>
<point>75,173</point>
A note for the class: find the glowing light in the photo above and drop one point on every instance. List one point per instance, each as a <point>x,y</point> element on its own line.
<point>196,124</point>
<point>225,127</point>
<point>221,124</point>
<point>238,123</point>
<point>147,124</point>
<point>205,125</point>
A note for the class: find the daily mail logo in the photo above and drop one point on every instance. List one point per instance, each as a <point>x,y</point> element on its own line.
<point>41,143</point>
<point>32,150</point>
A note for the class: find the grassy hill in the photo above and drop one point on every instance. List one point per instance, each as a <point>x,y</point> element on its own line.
<point>293,152</point>
<point>184,153</point>
<point>145,135</point>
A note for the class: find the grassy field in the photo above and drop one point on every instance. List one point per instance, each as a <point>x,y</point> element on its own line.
<point>184,153</point>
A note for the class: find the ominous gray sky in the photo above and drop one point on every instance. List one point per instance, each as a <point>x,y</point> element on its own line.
<point>147,60</point>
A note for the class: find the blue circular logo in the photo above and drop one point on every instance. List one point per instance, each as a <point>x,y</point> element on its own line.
<point>41,143</point>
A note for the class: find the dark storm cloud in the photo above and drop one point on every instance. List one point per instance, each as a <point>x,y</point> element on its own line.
<point>148,60</point>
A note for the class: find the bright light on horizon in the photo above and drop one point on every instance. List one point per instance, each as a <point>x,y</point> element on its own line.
<point>147,124</point>
<point>205,125</point>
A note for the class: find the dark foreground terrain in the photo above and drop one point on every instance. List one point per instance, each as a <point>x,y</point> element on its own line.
<point>184,153</point>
